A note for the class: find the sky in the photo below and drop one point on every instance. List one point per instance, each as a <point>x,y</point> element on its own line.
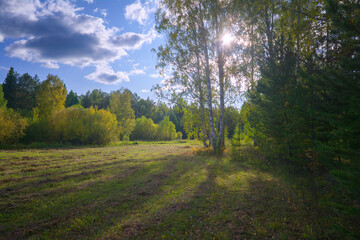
<point>89,44</point>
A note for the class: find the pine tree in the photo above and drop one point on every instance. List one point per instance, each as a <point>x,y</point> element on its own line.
<point>9,88</point>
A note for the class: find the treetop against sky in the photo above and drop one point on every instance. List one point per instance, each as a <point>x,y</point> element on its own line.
<point>88,44</point>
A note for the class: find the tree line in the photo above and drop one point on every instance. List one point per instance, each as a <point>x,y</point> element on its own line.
<point>35,111</point>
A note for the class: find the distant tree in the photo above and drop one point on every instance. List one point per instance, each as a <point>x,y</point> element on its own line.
<point>144,107</point>
<point>145,129</point>
<point>71,99</point>
<point>85,100</point>
<point>9,88</point>
<point>95,98</point>
<point>193,126</point>
<point>26,89</point>
<point>51,96</point>
<point>166,130</point>
<point>3,101</point>
<point>120,105</point>
<point>179,135</point>
<point>161,111</point>
<point>232,117</point>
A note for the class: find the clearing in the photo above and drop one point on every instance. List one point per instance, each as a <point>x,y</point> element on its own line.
<point>151,191</point>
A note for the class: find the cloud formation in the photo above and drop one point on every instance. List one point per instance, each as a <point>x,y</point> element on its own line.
<point>56,32</point>
<point>140,12</point>
<point>106,74</point>
<point>155,75</point>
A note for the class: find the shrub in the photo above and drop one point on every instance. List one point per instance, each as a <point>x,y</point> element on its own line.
<point>145,129</point>
<point>37,131</point>
<point>83,126</point>
<point>166,130</point>
<point>179,135</point>
<point>12,126</point>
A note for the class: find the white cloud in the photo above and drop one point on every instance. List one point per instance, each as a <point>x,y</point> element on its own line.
<point>155,75</point>
<point>103,12</point>
<point>131,40</point>
<point>89,1</point>
<point>137,72</point>
<point>140,12</point>
<point>55,32</point>
<point>50,65</point>
<point>144,90</point>
<point>105,74</point>
<point>4,68</point>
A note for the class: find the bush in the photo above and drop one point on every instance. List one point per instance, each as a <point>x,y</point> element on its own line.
<point>83,126</point>
<point>38,131</point>
<point>145,129</point>
<point>166,130</point>
<point>179,135</point>
<point>12,126</point>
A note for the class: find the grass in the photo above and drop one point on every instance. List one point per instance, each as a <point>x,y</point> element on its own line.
<point>154,191</point>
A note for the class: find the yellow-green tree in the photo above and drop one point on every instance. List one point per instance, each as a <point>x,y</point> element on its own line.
<point>51,96</point>
<point>3,101</point>
<point>12,126</point>
<point>78,125</point>
<point>120,105</point>
<point>145,129</point>
<point>166,130</point>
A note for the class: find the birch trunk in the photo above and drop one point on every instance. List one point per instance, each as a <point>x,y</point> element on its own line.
<point>201,93</point>
<point>220,62</point>
<point>208,80</point>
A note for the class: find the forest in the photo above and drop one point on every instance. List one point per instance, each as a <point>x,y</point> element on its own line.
<point>276,81</point>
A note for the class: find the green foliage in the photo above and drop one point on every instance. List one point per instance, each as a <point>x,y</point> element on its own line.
<point>142,107</point>
<point>232,117</point>
<point>83,126</point>
<point>75,125</point>
<point>12,126</point>
<point>3,101</point>
<point>161,111</point>
<point>26,90</point>
<point>9,88</point>
<point>51,96</point>
<point>95,98</point>
<point>71,99</point>
<point>192,123</point>
<point>179,135</point>
<point>38,130</point>
<point>120,105</point>
<point>21,91</point>
<point>145,129</point>
<point>241,137</point>
<point>236,139</point>
<point>166,130</point>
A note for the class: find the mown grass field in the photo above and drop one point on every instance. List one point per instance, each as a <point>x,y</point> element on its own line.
<point>153,191</point>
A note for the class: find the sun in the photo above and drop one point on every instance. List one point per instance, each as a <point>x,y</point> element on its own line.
<point>227,39</point>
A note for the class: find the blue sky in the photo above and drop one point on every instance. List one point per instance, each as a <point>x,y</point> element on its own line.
<point>88,44</point>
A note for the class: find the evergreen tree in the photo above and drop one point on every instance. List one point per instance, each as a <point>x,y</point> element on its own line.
<point>71,99</point>
<point>9,88</point>
<point>27,87</point>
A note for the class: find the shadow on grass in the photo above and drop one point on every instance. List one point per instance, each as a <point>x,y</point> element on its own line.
<point>235,200</point>
<point>183,196</point>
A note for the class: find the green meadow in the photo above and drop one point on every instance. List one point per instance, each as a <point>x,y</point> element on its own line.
<point>157,191</point>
